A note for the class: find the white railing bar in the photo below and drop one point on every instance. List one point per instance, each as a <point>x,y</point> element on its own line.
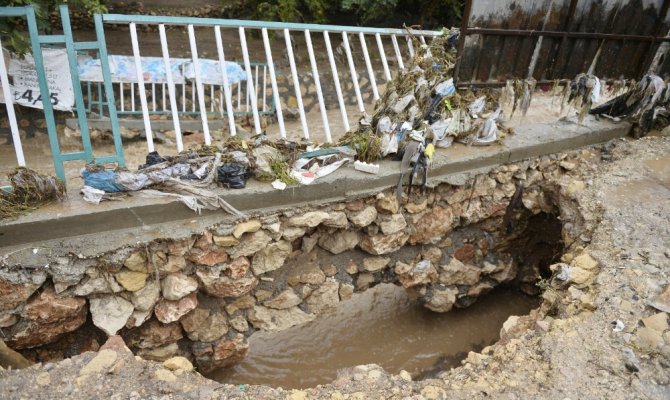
<point>336,80</point>
<point>199,87</point>
<point>132,96</point>
<point>368,64</point>
<point>239,96</point>
<point>410,46</point>
<point>256,86</point>
<point>273,82</point>
<point>398,55</point>
<point>9,103</point>
<point>246,96</point>
<point>236,23</point>
<point>211,98</point>
<point>317,83</point>
<point>265,87</point>
<point>250,86</point>
<point>354,75</point>
<point>153,96</point>
<point>163,94</point>
<point>224,78</point>
<point>171,89</point>
<point>193,92</point>
<point>183,97</point>
<point>382,53</point>
<point>120,95</point>
<point>423,42</point>
<point>296,82</point>
<point>140,86</point>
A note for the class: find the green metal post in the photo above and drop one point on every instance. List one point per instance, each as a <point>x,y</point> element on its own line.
<point>76,84</point>
<point>109,92</point>
<point>44,92</point>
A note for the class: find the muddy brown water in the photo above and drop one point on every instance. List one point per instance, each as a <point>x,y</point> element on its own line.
<point>381,326</point>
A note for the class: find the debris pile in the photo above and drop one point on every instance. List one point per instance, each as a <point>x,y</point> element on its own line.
<point>29,190</point>
<point>646,104</point>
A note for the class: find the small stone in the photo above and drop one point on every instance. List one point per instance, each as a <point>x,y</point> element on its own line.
<point>329,270</point>
<point>284,300</point>
<point>324,298</point>
<point>648,340</point>
<point>145,298</point>
<point>567,165</point>
<point>662,301</point>
<point>176,363</point>
<point>247,226</point>
<point>383,244</point>
<point>585,261</point>
<point>442,299</point>
<point>292,233</point>
<point>346,291</point>
<point>415,208</point>
<point>176,286</point>
<point>239,323</point>
<point>374,264</point>
<point>43,379</point>
<point>364,280</point>
<point>160,353</point>
<point>226,241</point>
<point>351,267</point>
<point>336,219</point>
<point>132,281</point>
<point>310,219</point>
<point>433,393</point>
<point>208,257</point>
<point>392,224</point>
<point>252,243</point>
<point>165,375</point>
<point>101,363</point>
<point>406,376</point>
<point>277,320</point>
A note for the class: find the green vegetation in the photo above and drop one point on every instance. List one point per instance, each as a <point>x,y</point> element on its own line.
<point>11,29</point>
<point>428,13</point>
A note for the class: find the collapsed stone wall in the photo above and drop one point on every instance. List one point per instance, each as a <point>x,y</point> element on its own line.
<point>204,295</point>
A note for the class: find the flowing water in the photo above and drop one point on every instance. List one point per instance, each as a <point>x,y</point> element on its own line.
<point>381,326</point>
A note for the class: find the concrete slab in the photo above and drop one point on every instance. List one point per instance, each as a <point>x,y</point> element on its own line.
<point>63,227</point>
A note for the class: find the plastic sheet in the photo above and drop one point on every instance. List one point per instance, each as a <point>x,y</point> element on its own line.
<point>233,176</point>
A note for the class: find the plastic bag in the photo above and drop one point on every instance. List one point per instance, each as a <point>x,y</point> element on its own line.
<point>445,88</point>
<point>233,176</point>
<point>102,180</point>
<point>153,158</point>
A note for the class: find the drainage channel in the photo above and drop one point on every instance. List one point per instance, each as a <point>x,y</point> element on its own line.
<point>381,326</point>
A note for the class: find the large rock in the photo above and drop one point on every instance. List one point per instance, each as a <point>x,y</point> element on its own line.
<point>364,218</point>
<point>383,244</point>
<point>272,257</point>
<point>339,242</point>
<point>374,264</point>
<point>336,219</point>
<point>204,325</point>
<point>309,219</point>
<point>132,281</point>
<point>136,262</point>
<point>145,299</point>
<point>433,225</point>
<point>221,354</point>
<point>110,313</point>
<point>422,273</point>
<point>167,311</point>
<point>457,273</point>
<point>442,299</point>
<point>284,300</point>
<point>291,233</point>
<point>17,287</point>
<point>392,224</point>
<point>104,283</point>
<point>218,285</point>
<point>324,298</point>
<point>251,243</point>
<point>153,334</point>
<point>176,286</point>
<point>387,204</point>
<point>208,257</point>
<point>45,319</point>
<point>269,319</point>
<point>247,226</point>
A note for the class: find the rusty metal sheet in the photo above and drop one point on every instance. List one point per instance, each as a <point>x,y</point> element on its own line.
<point>558,39</point>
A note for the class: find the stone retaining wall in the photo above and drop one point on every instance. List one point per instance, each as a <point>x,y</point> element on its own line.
<point>203,296</point>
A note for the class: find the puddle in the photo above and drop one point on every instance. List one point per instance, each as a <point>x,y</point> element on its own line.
<point>381,326</point>
<point>653,187</point>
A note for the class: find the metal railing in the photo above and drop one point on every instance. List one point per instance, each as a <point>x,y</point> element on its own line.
<point>254,96</point>
<point>252,88</point>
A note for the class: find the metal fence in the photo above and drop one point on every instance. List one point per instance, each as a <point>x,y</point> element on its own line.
<point>558,39</point>
<point>258,95</point>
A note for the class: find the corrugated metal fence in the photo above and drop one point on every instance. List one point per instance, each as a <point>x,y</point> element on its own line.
<point>558,39</point>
